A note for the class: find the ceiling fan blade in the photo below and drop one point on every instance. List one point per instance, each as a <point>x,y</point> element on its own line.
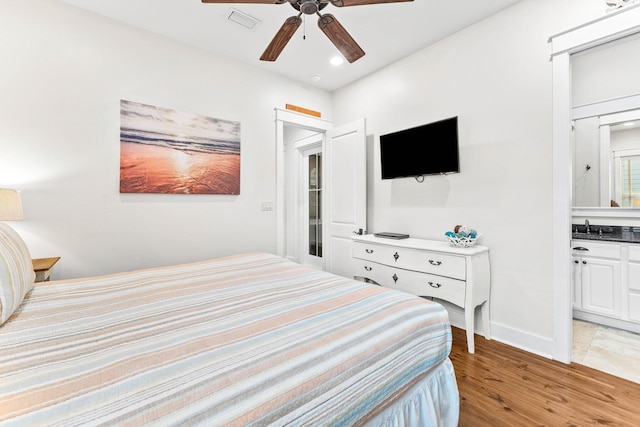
<point>340,3</point>
<point>340,37</point>
<point>243,1</point>
<point>281,39</point>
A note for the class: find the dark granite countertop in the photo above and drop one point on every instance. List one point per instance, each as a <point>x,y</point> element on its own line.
<point>606,233</point>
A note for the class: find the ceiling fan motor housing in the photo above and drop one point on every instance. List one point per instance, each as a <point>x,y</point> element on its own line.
<point>308,7</point>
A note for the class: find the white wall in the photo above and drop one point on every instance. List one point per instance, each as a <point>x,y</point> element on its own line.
<point>62,76</point>
<point>606,71</point>
<point>496,77</point>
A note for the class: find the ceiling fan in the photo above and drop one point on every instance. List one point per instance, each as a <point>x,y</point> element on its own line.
<point>327,23</point>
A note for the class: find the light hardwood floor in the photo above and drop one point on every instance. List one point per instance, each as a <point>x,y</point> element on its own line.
<point>503,386</point>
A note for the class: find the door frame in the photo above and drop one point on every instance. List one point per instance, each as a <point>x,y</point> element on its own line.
<point>285,118</point>
<point>620,23</point>
<point>296,203</point>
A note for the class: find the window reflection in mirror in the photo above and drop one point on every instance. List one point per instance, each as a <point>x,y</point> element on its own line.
<point>627,165</point>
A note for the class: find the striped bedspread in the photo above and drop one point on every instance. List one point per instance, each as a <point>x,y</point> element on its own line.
<point>246,340</point>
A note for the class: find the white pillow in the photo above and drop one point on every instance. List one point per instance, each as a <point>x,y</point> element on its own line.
<point>16,271</point>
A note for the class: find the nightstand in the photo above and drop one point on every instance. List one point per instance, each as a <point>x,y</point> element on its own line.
<point>43,267</point>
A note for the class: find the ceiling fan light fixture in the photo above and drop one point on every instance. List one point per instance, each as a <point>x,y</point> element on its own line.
<point>336,61</point>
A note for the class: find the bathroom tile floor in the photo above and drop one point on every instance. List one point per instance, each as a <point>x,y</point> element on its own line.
<point>614,351</point>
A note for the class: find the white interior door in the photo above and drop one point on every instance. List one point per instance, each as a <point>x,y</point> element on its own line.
<point>346,194</point>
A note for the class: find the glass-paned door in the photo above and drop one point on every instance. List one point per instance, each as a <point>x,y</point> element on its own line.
<point>314,178</point>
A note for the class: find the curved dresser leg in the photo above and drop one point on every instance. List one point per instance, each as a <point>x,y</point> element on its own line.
<point>469,315</point>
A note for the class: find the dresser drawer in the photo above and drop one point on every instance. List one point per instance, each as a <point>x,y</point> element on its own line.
<point>422,284</point>
<point>410,259</point>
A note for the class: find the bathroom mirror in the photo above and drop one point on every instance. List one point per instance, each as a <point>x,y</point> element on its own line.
<point>606,161</point>
<point>606,125</point>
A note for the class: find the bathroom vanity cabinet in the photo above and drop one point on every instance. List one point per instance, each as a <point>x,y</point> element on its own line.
<point>606,283</point>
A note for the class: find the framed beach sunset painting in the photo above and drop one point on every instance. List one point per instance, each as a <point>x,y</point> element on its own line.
<point>171,152</point>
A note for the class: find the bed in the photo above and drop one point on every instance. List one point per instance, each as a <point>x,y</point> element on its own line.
<point>251,339</point>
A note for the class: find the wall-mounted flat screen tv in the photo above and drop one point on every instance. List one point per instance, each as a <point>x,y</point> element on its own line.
<point>429,149</point>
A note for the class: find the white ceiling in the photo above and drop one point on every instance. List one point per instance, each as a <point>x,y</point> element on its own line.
<point>386,32</point>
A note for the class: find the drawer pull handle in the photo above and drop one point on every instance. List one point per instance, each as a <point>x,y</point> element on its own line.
<point>581,248</point>
<point>369,251</point>
<point>396,256</point>
<point>395,278</point>
<point>366,267</point>
<point>434,285</point>
<point>432,262</point>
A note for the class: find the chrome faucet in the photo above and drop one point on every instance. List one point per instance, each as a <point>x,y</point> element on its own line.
<point>586,224</point>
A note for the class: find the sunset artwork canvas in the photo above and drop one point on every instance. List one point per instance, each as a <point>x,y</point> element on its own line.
<point>171,152</point>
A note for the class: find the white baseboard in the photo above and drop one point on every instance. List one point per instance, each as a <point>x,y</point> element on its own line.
<point>505,334</point>
<point>523,340</point>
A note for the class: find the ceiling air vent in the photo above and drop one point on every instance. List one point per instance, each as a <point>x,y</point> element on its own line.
<point>242,18</point>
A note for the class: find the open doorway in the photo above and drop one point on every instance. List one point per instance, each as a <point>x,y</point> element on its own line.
<point>299,210</point>
<point>304,196</point>
<point>343,202</point>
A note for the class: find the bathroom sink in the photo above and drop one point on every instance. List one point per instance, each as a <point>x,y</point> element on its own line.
<point>606,233</point>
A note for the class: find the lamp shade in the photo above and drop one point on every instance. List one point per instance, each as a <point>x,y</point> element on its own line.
<point>10,205</point>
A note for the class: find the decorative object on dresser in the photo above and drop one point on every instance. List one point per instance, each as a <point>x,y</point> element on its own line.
<point>462,236</point>
<point>429,268</point>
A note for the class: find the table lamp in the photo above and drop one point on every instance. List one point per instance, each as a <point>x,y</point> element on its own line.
<point>10,205</point>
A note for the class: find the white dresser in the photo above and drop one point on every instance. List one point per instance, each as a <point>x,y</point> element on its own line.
<point>429,268</point>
